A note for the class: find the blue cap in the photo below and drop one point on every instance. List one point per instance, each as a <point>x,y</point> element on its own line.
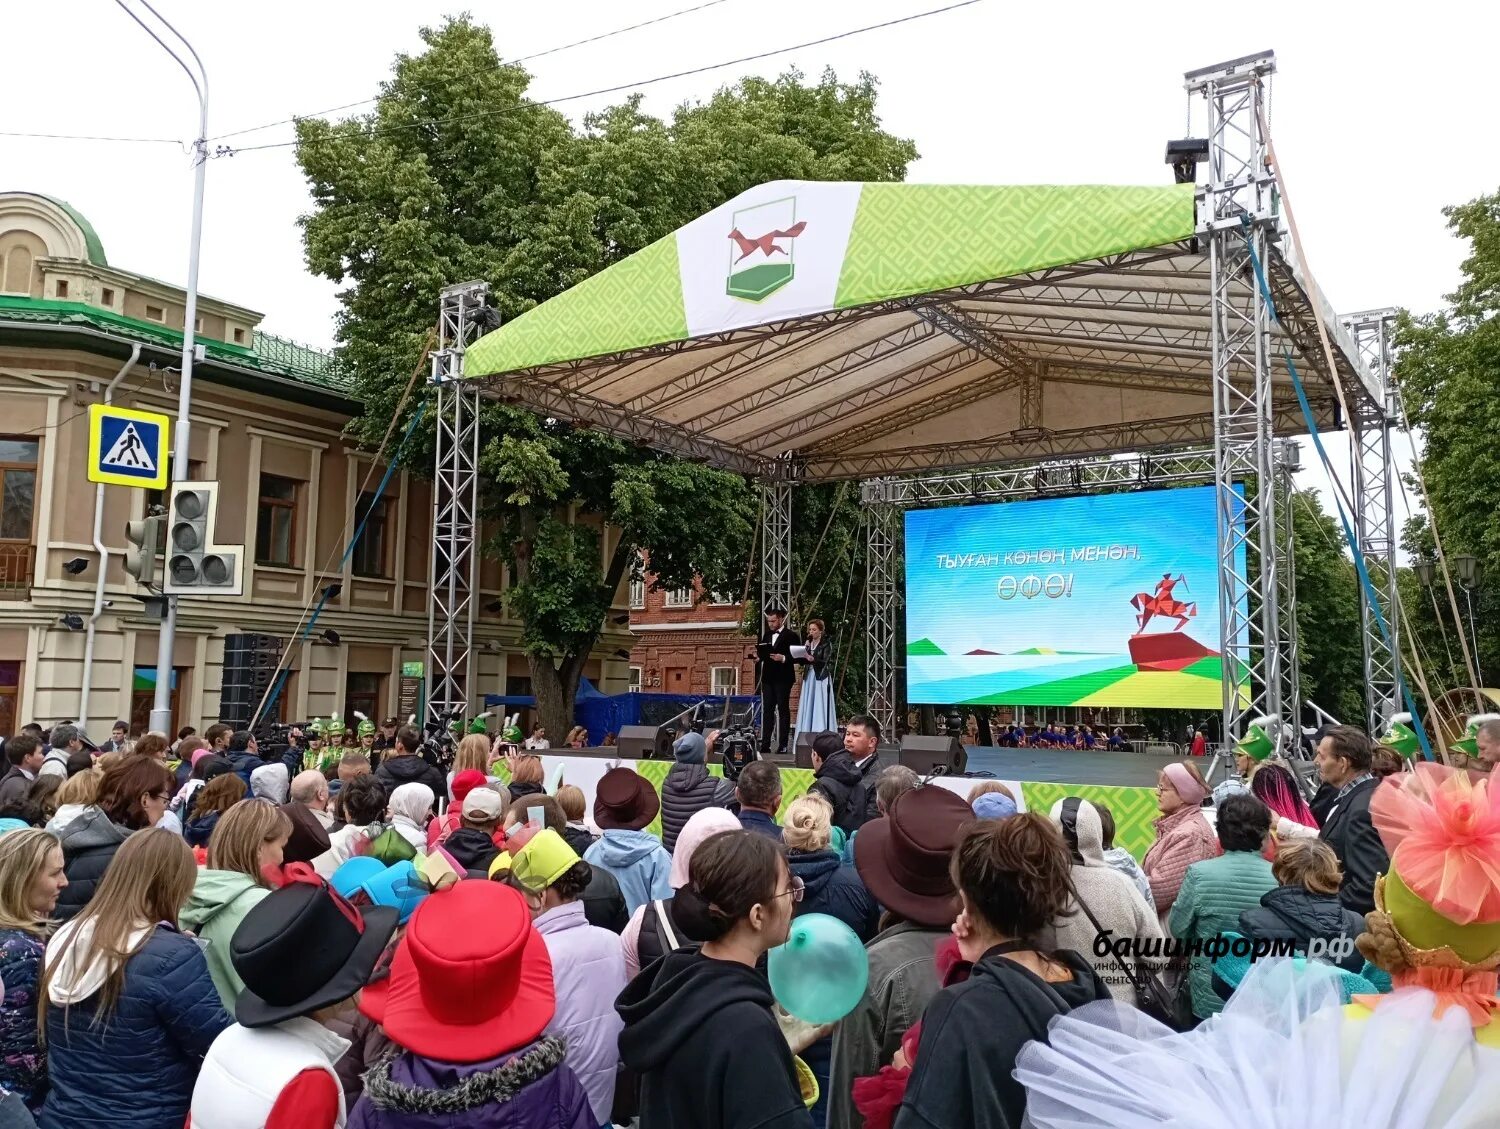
<point>994,805</point>
<point>398,887</point>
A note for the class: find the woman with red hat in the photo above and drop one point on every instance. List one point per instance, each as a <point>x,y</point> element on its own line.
<point>469,995</point>
<point>698,1025</point>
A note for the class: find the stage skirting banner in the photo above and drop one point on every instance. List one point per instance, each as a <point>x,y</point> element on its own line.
<point>1098,600</point>
<point>1134,809</point>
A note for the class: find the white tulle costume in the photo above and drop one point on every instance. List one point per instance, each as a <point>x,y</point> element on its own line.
<point>1282,1053</point>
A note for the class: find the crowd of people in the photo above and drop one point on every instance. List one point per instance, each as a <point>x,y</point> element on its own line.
<point>196,933</point>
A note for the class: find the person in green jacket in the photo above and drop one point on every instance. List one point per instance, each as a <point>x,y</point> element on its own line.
<point>246,844</point>
<point>1216,891</point>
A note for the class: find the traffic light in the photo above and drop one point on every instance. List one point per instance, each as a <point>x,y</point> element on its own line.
<point>195,565</point>
<point>140,558</point>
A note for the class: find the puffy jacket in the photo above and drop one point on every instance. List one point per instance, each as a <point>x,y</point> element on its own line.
<point>687,790</point>
<point>1291,913</point>
<point>525,1089</point>
<point>23,1063</point>
<point>472,849</point>
<point>1213,895</point>
<point>138,1068</point>
<point>588,972</point>
<point>840,782</point>
<point>639,863</point>
<point>396,771</point>
<point>88,843</point>
<point>198,829</point>
<point>603,901</point>
<point>219,902</point>
<point>579,838</point>
<point>1182,838</point>
<point>245,763</point>
<point>834,889</point>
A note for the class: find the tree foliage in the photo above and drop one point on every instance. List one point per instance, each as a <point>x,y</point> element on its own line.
<point>457,175</point>
<point>1448,369</point>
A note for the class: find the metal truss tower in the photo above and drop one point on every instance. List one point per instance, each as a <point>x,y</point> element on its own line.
<point>776,546</point>
<point>880,498</point>
<point>1373,471</point>
<point>1288,463</point>
<point>455,557</point>
<point>1236,219</point>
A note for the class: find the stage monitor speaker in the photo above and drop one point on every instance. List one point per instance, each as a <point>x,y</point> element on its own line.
<point>802,752</point>
<point>926,755</point>
<point>644,742</point>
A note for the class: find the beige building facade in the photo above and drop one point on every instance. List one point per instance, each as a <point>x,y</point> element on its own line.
<point>268,420</point>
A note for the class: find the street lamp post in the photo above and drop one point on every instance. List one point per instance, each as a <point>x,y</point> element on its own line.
<point>1470,577</point>
<point>161,706</point>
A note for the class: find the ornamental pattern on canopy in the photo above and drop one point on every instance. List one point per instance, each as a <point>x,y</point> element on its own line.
<point>839,330</point>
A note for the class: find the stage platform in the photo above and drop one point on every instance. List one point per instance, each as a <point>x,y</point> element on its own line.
<point>1038,778</point>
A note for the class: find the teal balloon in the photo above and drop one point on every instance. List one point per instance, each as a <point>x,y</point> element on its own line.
<point>820,974</point>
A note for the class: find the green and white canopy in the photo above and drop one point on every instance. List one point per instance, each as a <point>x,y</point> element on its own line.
<point>871,329</point>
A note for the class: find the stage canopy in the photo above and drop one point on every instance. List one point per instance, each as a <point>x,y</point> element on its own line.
<point>840,330</point>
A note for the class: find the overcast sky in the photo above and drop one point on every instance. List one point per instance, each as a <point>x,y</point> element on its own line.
<point>1382,114</point>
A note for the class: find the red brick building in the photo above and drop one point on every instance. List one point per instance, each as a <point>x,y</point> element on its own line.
<point>688,641</point>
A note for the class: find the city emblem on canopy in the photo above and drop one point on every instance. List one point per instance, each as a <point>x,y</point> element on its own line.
<point>763,249</point>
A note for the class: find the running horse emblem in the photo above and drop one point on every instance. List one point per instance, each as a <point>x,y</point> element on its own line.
<point>1162,603</point>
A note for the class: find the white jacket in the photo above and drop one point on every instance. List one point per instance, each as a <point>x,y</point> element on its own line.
<point>245,1071</point>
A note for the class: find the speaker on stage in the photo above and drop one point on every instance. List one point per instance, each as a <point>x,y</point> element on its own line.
<point>644,742</point>
<point>802,753</point>
<point>249,663</point>
<point>926,755</point>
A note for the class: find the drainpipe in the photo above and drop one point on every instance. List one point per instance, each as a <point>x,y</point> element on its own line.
<point>103,551</point>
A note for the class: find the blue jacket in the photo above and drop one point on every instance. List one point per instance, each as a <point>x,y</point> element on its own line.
<point>137,1069</point>
<point>639,863</point>
<point>834,889</point>
<point>760,822</point>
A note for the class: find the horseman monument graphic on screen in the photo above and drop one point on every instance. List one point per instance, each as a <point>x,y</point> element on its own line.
<point>1104,600</point>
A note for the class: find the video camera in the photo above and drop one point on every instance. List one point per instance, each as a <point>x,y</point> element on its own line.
<point>738,746</point>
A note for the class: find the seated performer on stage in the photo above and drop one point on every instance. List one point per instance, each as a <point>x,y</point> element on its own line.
<point>776,673</point>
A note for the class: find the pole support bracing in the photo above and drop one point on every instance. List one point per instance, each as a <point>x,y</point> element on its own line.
<point>455,517</point>
<point>1236,220</point>
<point>882,500</point>
<point>776,545</point>
<point>1373,469</point>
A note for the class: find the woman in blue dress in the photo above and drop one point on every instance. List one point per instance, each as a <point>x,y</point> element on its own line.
<point>816,712</point>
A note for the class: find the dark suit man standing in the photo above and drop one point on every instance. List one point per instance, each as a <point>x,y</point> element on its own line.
<point>777,673</point>
<point>1344,760</point>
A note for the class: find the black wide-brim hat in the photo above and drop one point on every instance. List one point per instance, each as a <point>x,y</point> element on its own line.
<point>304,947</point>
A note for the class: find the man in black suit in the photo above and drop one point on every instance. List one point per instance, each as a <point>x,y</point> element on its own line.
<point>1344,760</point>
<point>777,673</point>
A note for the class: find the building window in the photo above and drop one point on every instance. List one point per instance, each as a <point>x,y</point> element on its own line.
<point>369,550</point>
<point>10,694</point>
<point>276,521</point>
<point>197,325</point>
<point>679,598</point>
<point>17,488</point>
<point>723,681</point>
<point>636,674</point>
<point>107,296</point>
<point>637,594</point>
<point>155,313</point>
<point>723,599</point>
<point>239,336</point>
<point>143,697</point>
<point>62,288</point>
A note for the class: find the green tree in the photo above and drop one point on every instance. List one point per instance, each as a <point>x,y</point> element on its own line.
<point>455,175</point>
<point>1328,625</point>
<point>1448,368</point>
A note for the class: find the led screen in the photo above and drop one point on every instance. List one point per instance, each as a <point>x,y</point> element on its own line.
<point>1103,600</point>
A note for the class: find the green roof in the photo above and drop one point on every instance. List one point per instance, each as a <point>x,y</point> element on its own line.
<point>90,236</point>
<point>274,356</point>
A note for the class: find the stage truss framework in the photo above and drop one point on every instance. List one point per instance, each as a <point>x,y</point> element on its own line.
<point>855,393</point>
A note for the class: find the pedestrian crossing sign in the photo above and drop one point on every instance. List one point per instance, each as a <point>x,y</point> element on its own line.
<point>127,447</point>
